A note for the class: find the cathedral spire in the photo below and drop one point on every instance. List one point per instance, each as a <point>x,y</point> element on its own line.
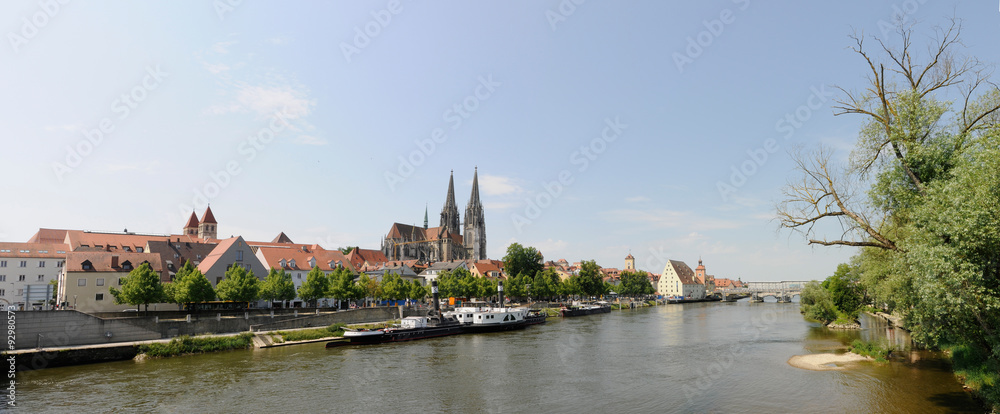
<point>425,217</point>
<point>475,223</point>
<point>449,214</point>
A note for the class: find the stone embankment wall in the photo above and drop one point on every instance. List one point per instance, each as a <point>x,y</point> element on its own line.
<point>48,329</point>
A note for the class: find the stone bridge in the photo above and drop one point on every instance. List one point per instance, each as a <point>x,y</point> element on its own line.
<point>783,291</point>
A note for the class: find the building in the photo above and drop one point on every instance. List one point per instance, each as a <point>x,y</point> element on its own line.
<point>174,253</point>
<point>702,277</point>
<point>299,260</point>
<point>88,275</point>
<point>366,259</point>
<point>679,280</point>
<point>228,253</point>
<point>26,269</point>
<point>629,263</point>
<point>492,269</point>
<point>435,269</point>
<point>447,241</point>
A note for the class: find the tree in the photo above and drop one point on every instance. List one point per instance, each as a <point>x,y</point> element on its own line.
<point>277,286</point>
<point>919,195</point>
<point>141,287</point>
<point>393,287</point>
<point>315,287</point>
<point>545,284</point>
<point>634,284</point>
<point>458,283</point>
<point>589,280</point>
<point>239,285</point>
<point>816,303</point>
<point>368,287</point>
<point>189,286</point>
<point>522,260</point>
<point>844,290</point>
<point>342,285</point>
<point>417,291</point>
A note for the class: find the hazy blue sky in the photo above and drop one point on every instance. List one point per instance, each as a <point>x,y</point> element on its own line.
<point>528,91</point>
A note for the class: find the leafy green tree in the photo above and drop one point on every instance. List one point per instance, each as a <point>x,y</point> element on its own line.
<point>189,286</point>
<point>522,260</point>
<point>278,286</point>
<point>417,291</point>
<point>393,287</point>
<point>342,285</point>
<point>589,281</point>
<point>141,287</point>
<point>545,284</point>
<point>239,285</point>
<point>458,283</point>
<point>817,304</point>
<point>316,286</point>
<point>368,287</point>
<point>845,291</point>
<point>634,284</point>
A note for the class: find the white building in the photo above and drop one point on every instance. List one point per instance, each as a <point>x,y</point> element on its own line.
<point>679,280</point>
<point>29,264</point>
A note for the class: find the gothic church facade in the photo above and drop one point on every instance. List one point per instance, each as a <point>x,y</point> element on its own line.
<point>450,240</point>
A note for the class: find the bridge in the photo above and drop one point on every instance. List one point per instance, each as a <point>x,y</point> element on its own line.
<point>783,291</point>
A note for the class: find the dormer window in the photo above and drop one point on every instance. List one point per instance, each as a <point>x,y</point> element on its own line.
<point>291,263</point>
<point>126,265</point>
<point>86,265</point>
<point>127,249</point>
<point>139,249</point>
<point>282,263</point>
<point>312,263</point>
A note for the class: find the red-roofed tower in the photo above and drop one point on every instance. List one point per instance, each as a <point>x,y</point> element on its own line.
<point>191,228</point>
<point>207,228</point>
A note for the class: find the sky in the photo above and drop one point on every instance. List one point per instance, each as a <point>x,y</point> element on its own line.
<point>598,128</point>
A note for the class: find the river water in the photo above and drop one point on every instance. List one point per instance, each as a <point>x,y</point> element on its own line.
<point>709,357</point>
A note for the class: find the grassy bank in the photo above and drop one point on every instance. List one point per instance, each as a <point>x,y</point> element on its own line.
<point>332,331</point>
<point>187,345</point>
<point>978,372</point>
<point>871,349</point>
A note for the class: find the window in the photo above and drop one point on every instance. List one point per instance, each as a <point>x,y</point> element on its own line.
<point>81,282</point>
<point>60,263</point>
<point>43,251</point>
<point>100,281</point>
<point>139,249</point>
<point>25,251</point>
<point>20,278</point>
<point>239,255</point>
<point>5,251</point>
<point>3,278</point>
<point>3,292</point>
<point>100,296</point>
<point>126,265</point>
<point>127,248</point>
<point>86,265</point>
<point>3,263</point>
<point>41,263</point>
<point>24,263</point>
<point>60,252</point>
<point>41,278</point>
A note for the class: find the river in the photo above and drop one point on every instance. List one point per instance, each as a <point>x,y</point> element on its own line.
<point>709,357</point>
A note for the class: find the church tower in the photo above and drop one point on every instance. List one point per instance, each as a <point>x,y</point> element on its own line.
<point>191,228</point>
<point>449,214</point>
<point>475,224</point>
<point>207,228</point>
<point>630,263</point>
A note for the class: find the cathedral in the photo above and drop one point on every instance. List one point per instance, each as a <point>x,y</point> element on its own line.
<point>449,241</point>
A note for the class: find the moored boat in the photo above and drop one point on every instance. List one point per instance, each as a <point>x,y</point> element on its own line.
<point>411,328</point>
<point>585,309</point>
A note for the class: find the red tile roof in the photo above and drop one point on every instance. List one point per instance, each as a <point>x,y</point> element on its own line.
<point>32,250</point>
<point>192,222</point>
<point>273,257</point>
<point>684,272</point>
<point>105,262</point>
<point>49,236</point>
<point>208,217</point>
<point>216,254</point>
<point>282,238</point>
